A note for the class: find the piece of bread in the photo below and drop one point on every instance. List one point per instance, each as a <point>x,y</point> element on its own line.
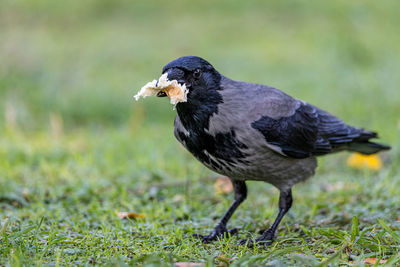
<point>176,92</point>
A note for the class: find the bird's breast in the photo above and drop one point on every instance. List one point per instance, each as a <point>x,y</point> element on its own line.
<point>221,152</point>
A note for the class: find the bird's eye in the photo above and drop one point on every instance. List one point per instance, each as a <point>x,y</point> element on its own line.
<point>197,73</point>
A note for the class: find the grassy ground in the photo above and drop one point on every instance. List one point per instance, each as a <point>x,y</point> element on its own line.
<point>75,148</point>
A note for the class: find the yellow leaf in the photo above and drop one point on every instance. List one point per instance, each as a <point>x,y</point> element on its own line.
<point>223,186</point>
<point>360,161</point>
<point>130,215</point>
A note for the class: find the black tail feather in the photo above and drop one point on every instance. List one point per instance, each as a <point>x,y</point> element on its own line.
<point>367,147</point>
<point>365,135</point>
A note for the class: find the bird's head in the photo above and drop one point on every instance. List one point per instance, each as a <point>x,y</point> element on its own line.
<point>197,74</point>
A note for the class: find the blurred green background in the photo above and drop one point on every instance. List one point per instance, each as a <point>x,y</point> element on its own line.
<point>84,60</point>
<point>75,146</point>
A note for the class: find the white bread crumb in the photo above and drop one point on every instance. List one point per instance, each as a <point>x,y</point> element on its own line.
<point>176,92</point>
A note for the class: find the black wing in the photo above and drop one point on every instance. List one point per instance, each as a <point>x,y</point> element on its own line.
<point>310,131</point>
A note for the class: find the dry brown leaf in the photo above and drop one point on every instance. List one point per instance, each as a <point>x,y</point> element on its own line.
<point>130,215</point>
<point>188,264</point>
<point>223,186</point>
<point>373,261</point>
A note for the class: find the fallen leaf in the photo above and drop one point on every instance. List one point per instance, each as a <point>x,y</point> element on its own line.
<point>223,186</point>
<point>360,161</point>
<point>373,261</point>
<point>188,264</point>
<point>130,215</point>
<point>398,219</point>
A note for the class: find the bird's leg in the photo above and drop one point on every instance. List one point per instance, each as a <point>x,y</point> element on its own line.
<point>240,195</point>
<point>285,202</point>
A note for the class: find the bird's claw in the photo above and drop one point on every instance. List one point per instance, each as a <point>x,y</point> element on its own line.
<point>217,233</point>
<point>264,240</point>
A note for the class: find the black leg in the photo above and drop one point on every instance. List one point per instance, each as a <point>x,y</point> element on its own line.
<point>285,202</point>
<point>240,195</point>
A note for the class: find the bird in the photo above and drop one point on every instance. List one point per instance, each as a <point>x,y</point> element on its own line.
<point>254,132</point>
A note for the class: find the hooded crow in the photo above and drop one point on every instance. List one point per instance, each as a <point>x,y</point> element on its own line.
<point>249,131</point>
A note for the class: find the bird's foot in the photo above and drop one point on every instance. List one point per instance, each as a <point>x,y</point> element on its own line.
<point>218,232</point>
<point>264,240</point>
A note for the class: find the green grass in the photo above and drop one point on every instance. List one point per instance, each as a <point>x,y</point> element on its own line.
<point>75,148</point>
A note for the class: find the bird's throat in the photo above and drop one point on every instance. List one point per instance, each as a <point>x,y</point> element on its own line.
<point>196,112</point>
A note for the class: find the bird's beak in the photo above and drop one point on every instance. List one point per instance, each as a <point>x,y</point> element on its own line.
<point>173,74</point>
<point>177,74</point>
<point>161,94</point>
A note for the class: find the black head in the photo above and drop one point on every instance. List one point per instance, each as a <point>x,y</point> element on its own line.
<point>197,74</point>
<point>203,83</point>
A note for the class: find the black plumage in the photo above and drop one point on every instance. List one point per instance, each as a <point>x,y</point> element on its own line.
<point>311,131</point>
